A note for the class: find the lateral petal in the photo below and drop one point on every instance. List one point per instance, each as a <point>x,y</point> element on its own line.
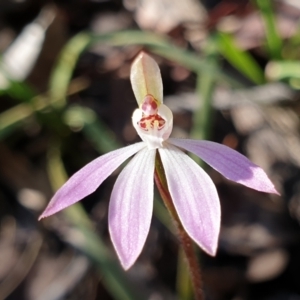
<point>195,197</point>
<point>131,206</point>
<point>230,163</point>
<point>87,179</point>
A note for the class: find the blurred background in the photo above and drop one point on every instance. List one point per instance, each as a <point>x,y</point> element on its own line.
<point>231,74</point>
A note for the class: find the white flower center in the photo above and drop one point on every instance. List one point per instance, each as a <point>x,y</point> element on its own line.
<point>153,122</point>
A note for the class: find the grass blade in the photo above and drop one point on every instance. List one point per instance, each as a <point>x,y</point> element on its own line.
<point>274,42</point>
<point>240,59</point>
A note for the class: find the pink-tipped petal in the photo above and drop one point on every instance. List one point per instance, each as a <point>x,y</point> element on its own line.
<point>230,163</point>
<point>195,197</point>
<point>87,179</point>
<point>130,207</point>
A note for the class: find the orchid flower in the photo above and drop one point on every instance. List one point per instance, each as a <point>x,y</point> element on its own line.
<point>193,193</point>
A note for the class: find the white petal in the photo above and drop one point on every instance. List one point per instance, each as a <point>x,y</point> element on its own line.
<point>230,163</point>
<point>195,197</point>
<point>87,179</point>
<point>130,207</point>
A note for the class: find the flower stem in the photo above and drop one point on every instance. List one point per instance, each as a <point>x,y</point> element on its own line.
<point>185,240</point>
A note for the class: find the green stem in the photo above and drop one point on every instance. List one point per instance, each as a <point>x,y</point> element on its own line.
<point>185,240</point>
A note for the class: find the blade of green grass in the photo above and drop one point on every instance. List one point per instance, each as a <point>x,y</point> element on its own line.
<point>15,117</point>
<point>20,91</point>
<point>240,59</point>
<point>162,46</point>
<point>64,68</point>
<point>156,43</point>
<point>274,42</point>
